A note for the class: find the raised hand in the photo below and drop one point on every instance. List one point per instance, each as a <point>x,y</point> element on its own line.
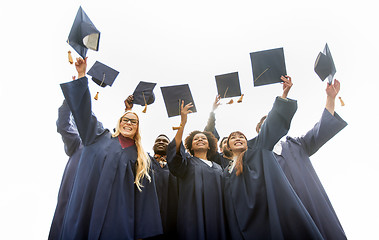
<point>333,89</point>
<point>216,103</point>
<point>129,103</point>
<point>287,84</point>
<point>81,66</point>
<point>184,110</point>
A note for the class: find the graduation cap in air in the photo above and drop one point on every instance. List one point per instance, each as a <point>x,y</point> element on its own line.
<point>325,68</point>
<point>83,35</point>
<point>268,66</point>
<point>324,65</point>
<point>143,94</point>
<point>228,85</point>
<point>173,97</point>
<point>102,75</point>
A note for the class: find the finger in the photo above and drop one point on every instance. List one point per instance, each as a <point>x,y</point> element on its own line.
<point>285,80</point>
<point>188,106</point>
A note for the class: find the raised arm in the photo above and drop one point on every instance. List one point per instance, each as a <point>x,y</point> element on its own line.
<point>328,126</point>
<point>184,110</point>
<point>176,155</point>
<point>68,130</point>
<point>331,94</point>
<point>279,119</point>
<point>78,98</point>
<point>211,124</point>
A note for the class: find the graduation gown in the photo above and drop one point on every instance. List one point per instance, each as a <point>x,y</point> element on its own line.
<point>105,203</point>
<point>200,204</point>
<point>167,191</point>
<point>73,148</point>
<point>260,203</point>
<point>295,162</point>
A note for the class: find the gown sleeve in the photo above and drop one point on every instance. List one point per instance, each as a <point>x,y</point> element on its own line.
<point>177,162</point>
<point>211,125</point>
<point>67,129</point>
<point>78,98</point>
<point>277,123</point>
<point>322,132</point>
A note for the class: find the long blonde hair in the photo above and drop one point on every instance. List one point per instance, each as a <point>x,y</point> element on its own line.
<point>143,160</point>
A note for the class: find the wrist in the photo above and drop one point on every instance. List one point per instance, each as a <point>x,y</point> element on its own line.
<point>81,74</point>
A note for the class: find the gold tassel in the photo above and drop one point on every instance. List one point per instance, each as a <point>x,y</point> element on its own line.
<point>144,110</point>
<point>96,96</point>
<point>342,103</point>
<point>177,128</point>
<point>70,58</point>
<point>240,99</point>
<point>231,101</point>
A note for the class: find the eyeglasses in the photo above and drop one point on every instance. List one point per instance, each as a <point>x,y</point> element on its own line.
<point>132,121</point>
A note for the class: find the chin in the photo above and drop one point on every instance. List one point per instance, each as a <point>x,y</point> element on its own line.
<point>128,135</point>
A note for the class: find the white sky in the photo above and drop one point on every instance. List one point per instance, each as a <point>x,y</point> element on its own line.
<point>176,42</point>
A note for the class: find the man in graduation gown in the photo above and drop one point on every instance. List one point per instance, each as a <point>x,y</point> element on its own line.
<point>259,202</point>
<point>73,147</point>
<point>167,188</point>
<point>293,156</point>
<point>105,202</point>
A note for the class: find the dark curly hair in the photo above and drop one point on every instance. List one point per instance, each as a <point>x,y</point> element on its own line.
<point>212,141</point>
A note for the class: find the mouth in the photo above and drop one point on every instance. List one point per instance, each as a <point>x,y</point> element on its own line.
<point>238,144</point>
<point>127,128</point>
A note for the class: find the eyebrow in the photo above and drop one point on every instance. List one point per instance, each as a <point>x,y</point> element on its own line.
<point>130,118</point>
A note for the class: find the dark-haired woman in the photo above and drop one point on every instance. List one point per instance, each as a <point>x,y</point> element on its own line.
<point>200,204</point>
<point>259,201</point>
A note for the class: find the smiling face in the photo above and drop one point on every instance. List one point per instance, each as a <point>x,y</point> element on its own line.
<point>237,142</point>
<point>160,145</point>
<point>200,143</point>
<point>129,125</point>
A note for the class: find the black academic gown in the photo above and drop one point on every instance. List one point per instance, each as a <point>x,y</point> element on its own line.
<point>295,162</point>
<point>200,206</point>
<point>105,203</point>
<point>260,203</point>
<point>167,190</point>
<point>73,148</point>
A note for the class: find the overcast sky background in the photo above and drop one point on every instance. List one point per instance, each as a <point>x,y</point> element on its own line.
<point>176,42</point>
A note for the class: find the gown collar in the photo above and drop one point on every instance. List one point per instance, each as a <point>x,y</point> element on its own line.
<point>125,141</point>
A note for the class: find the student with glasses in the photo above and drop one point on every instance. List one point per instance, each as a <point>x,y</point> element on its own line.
<point>114,195</point>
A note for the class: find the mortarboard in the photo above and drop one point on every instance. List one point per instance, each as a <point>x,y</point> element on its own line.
<point>173,97</point>
<point>268,66</point>
<point>324,65</point>
<point>228,85</point>
<point>143,94</point>
<point>83,34</point>
<point>102,75</point>
<point>325,68</point>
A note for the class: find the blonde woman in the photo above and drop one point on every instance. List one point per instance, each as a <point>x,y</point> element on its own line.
<point>113,196</point>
